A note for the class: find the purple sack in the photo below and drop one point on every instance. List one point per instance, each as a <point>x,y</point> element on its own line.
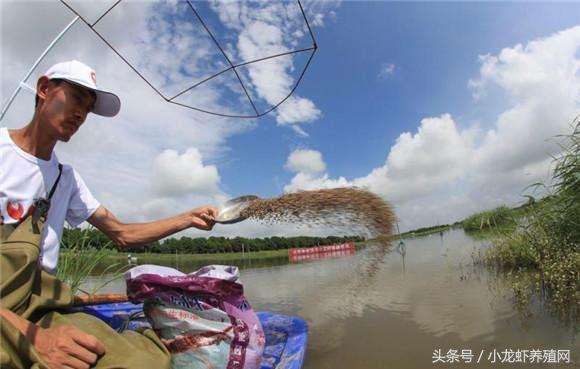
<point>203,317</point>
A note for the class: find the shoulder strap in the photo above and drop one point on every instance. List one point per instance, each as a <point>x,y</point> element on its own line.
<point>41,206</point>
<point>56,182</point>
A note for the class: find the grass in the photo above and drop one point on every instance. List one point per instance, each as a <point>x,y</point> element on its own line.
<point>83,258</point>
<point>501,218</point>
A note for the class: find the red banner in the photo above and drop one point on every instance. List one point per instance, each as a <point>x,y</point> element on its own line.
<point>321,252</point>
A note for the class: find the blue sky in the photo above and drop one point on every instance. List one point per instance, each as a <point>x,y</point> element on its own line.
<point>435,50</point>
<point>441,108</point>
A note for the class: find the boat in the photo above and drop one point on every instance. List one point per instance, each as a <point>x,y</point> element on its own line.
<point>286,336</point>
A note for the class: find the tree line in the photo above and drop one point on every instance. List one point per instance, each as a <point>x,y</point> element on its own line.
<point>93,238</point>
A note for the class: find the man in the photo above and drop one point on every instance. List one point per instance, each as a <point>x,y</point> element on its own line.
<point>29,171</point>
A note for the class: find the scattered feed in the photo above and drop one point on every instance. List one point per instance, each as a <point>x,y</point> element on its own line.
<point>345,208</point>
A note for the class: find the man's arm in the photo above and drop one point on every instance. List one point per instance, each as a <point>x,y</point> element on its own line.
<point>133,234</point>
<point>61,347</point>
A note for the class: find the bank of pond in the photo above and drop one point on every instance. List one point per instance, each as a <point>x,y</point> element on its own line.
<point>91,238</point>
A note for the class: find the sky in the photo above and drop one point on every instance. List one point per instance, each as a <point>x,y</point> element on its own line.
<point>443,109</point>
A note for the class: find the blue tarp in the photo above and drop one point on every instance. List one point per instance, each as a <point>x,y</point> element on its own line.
<point>286,336</point>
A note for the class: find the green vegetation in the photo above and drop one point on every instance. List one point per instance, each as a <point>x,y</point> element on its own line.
<point>500,218</point>
<point>83,257</point>
<point>542,252</point>
<point>420,232</point>
<point>211,245</point>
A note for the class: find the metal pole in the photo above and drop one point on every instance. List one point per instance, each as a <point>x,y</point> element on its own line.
<point>23,82</point>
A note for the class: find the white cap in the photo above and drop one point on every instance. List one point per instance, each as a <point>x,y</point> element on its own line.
<point>107,104</point>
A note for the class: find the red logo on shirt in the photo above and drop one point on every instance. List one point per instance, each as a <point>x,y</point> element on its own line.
<point>15,210</point>
<point>94,77</point>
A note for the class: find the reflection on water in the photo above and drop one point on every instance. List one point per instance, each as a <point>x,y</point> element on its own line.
<point>392,306</point>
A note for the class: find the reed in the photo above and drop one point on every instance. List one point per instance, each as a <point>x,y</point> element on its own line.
<point>83,257</point>
<point>546,245</point>
<point>501,217</point>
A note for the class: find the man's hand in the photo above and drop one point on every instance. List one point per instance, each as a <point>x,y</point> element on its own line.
<point>204,217</point>
<point>67,347</point>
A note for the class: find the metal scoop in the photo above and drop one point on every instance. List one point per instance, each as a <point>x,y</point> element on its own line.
<point>230,211</point>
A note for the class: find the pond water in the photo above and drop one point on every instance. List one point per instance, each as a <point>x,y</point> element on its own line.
<point>395,307</point>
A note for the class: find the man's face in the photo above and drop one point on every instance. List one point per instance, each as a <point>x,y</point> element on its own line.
<point>65,108</point>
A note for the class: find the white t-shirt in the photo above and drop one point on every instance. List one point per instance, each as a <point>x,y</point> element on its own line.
<point>24,178</point>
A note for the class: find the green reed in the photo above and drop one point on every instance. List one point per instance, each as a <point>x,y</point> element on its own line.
<point>501,217</point>
<point>545,245</point>
<point>82,256</point>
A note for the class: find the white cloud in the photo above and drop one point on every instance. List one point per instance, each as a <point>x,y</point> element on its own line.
<point>297,110</point>
<point>542,82</point>
<point>310,170</point>
<point>312,181</point>
<point>444,171</point>
<point>418,164</point>
<point>386,70</point>
<point>271,29</point>
<point>308,161</point>
<point>177,174</point>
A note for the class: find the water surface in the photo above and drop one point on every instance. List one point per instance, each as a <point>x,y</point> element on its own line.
<point>393,307</point>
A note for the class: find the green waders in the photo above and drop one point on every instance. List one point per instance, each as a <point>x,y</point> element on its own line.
<point>34,294</point>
